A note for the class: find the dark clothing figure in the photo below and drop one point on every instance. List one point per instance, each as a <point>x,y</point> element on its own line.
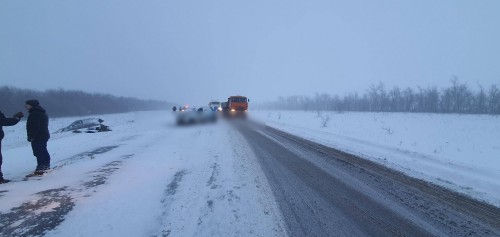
<point>1,160</point>
<point>174,108</point>
<point>6,122</point>
<point>37,127</point>
<point>41,154</point>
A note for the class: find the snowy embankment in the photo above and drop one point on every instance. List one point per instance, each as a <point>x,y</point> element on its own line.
<point>460,152</point>
<point>147,177</point>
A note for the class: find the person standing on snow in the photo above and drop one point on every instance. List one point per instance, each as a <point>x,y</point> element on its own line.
<point>6,122</point>
<point>37,127</point>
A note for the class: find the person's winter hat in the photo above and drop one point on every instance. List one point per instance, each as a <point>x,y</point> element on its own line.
<point>32,102</point>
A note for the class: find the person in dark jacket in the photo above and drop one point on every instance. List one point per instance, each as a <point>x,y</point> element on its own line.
<point>6,122</point>
<point>37,127</point>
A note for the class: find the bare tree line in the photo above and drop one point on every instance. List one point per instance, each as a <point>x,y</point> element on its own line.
<point>457,98</point>
<point>61,103</point>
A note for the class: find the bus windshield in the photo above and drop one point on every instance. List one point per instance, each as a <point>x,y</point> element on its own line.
<point>239,99</point>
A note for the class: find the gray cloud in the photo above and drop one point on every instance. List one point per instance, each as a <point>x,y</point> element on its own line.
<point>194,51</point>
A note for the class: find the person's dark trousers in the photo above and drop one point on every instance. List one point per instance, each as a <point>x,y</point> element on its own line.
<point>1,175</point>
<point>41,154</point>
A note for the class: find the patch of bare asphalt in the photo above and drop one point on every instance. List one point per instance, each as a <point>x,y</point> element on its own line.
<point>33,218</point>
<point>48,208</point>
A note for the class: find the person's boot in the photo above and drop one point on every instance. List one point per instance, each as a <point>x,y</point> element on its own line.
<point>36,173</point>
<point>2,180</point>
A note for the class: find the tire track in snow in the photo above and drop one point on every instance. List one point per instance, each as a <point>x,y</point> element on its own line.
<point>203,200</point>
<point>49,208</point>
<point>84,155</point>
<point>222,198</point>
<point>172,186</point>
<point>220,194</point>
<point>39,215</point>
<point>101,175</point>
<point>170,191</point>
<point>213,177</point>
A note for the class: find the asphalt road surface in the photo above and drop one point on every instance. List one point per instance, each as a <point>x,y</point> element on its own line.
<point>325,192</point>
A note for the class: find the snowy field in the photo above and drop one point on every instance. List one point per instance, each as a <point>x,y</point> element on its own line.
<point>460,152</point>
<point>147,177</point>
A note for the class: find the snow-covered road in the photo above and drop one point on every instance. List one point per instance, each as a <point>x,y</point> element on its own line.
<point>456,151</point>
<point>322,191</point>
<point>145,178</point>
<point>149,177</point>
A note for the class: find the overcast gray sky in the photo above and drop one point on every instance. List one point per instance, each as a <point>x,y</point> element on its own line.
<point>192,51</point>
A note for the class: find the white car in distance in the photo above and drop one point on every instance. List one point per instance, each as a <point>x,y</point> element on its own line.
<point>197,114</point>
